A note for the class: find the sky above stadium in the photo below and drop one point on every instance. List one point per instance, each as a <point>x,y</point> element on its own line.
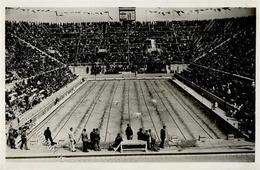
<point>112,14</point>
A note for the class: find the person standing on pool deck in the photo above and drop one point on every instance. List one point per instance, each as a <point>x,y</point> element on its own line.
<point>24,138</point>
<point>12,134</point>
<point>153,139</point>
<point>163,136</point>
<point>84,137</point>
<point>92,139</point>
<point>72,140</point>
<point>140,134</point>
<point>129,132</point>
<point>97,140</point>
<point>47,134</point>
<point>148,139</point>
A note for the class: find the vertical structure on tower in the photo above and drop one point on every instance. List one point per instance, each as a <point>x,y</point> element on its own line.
<point>127,15</point>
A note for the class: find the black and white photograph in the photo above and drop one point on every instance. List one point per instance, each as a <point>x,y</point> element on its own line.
<point>134,84</point>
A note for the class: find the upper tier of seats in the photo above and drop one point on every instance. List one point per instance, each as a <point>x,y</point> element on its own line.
<point>178,41</point>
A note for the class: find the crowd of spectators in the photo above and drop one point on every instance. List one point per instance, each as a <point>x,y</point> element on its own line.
<point>35,74</point>
<point>236,91</point>
<point>228,71</point>
<point>226,45</point>
<point>237,54</point>
<point>117,42</point>
<point>32,91</point>
<point>24,62</point>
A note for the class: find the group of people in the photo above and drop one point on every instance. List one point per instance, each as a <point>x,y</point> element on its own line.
<point>235,91</point>
<point>22,131</point>
<point>93,140</point>
<point>178,41</point>
<point>144,135</point>
<point>150,137</point>
<point>108,42</point>
<point>88,142</point>
<point>34,62</point>
<point>229,71</point>
<point>27,93</point>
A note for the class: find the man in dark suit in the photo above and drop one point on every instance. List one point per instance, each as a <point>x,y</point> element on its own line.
<point>47,134</point>
<point>163,136</point>
<point>141,134</point>
<point>97,140</point>
<point>129,132</point>
<point>92,139</point>
<point>84,138</point>
<point>24,138</point>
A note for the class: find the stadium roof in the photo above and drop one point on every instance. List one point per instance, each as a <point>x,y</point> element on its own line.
<point>55,15</point>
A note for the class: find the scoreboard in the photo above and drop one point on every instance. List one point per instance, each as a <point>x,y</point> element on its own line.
<point>127,14</point>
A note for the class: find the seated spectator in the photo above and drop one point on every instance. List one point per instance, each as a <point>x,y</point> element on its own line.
<point>117,142</point>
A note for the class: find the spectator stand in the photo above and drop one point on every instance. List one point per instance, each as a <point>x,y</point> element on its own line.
<point>40,109</point>
<point>218,111</point>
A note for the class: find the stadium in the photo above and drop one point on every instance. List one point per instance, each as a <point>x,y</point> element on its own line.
<point>182,79</point>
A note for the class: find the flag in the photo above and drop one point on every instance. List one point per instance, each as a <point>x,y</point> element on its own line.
<point>178,12</point>
<point>110,17</point>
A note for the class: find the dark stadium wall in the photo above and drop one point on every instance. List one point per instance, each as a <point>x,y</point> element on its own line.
<point>56,15</point>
